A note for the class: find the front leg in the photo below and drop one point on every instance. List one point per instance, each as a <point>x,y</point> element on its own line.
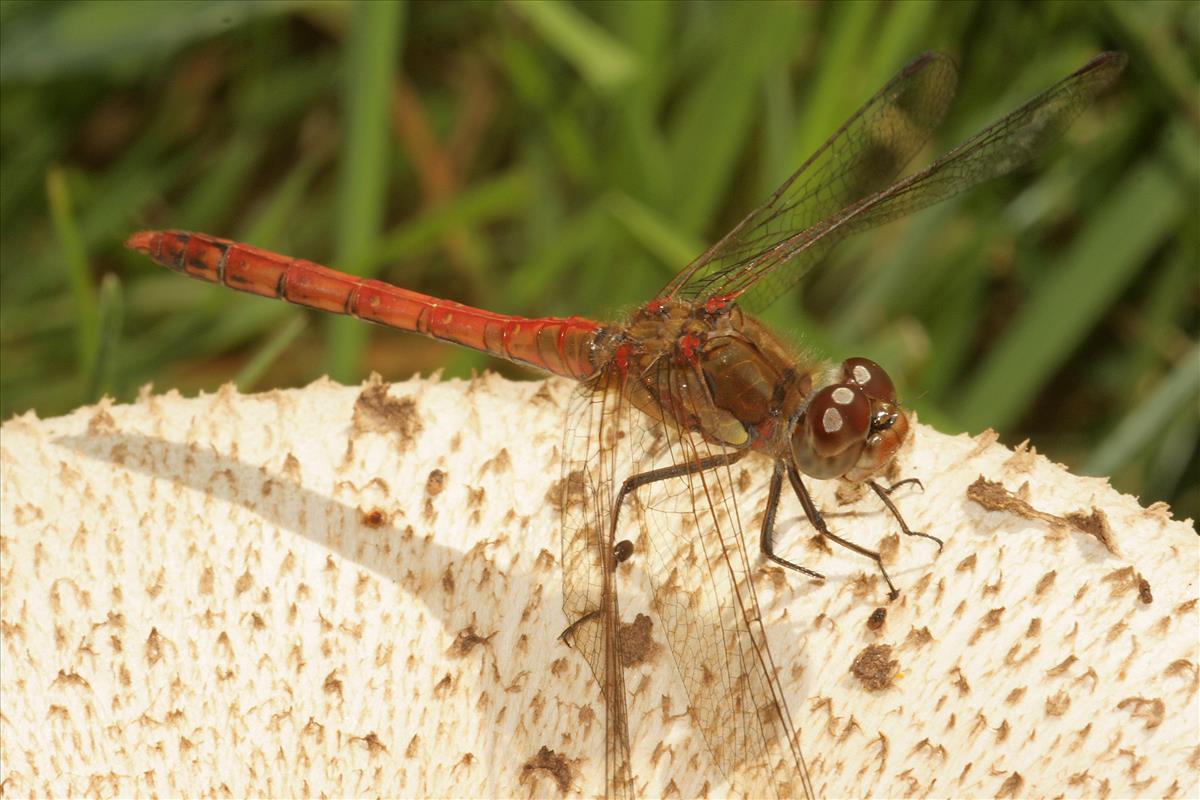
<point>818,522</point>
<point>887,501</point>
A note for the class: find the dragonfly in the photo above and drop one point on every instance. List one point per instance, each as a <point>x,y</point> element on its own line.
<point>690,384</point>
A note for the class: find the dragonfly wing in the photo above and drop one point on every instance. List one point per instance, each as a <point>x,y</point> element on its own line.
<point>862,157</point>
<point>589,591</point>
<point>703,595</point>
<point>998,149</point>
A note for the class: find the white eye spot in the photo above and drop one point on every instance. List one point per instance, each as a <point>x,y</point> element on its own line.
<point>843,396</point>
<point>831,420</point>
<point>861,374</point>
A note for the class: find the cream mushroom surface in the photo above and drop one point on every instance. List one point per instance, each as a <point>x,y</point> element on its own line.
<point>356,591</point>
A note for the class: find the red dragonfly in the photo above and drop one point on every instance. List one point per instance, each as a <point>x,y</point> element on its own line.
<point>671,398</point>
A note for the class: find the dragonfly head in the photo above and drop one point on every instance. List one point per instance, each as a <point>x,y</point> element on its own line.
<point>853,428</point>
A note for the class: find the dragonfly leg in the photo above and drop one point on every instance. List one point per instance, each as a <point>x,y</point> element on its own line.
<point>766,538</point>
<point>883,495</point>
<point>818,522</point>
<point>623,549</point>
<point>905,482</point>
<point>570,629</point>
<point>621,553</point>
<point>634,482</point>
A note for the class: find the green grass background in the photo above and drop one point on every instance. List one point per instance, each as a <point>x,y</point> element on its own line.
<point>542,158</point>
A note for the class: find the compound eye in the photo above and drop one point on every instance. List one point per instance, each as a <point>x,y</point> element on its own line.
<point>830,435</point>
<point>838,418</point>
<point>871,377</point>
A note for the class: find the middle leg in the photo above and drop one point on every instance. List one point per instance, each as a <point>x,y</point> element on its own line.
<point>818,522</point>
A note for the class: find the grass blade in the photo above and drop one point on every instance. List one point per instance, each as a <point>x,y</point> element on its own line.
<point>372,57</point>
<point>66,39</point>
<point>494,199</point>
<point>1141,212</point>
<point>74,259</point>
<point>249,375</point>
<point>602,60</point>
<point>111,315</point>
<point>1151,417</point>
<point>669,245</point>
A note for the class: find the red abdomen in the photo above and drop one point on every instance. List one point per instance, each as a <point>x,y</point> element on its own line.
<point>562,346</point>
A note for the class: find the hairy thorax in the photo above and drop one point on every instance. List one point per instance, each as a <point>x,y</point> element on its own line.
<point>711,369</point>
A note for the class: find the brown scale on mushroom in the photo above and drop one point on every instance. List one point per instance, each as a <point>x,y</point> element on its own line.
<point>990,620</point>
<point>874,667</point>
<point>377,412</point>
<point>1057,704</point>
<point>1062,667</point>
<point>546,761</point>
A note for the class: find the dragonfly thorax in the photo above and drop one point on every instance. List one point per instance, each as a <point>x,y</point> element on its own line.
<point>715,371</point>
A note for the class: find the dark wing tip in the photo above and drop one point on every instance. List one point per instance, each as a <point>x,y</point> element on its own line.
<point>1108,65</point>
<point>924,59</point>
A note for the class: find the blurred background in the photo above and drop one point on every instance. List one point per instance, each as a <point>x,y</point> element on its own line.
<point>568,158</point>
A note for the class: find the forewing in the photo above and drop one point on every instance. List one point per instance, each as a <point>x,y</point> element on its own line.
<point>700,573</point>
<point>862,157</point>
<point>589,593</point>
<point>994,151</point>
